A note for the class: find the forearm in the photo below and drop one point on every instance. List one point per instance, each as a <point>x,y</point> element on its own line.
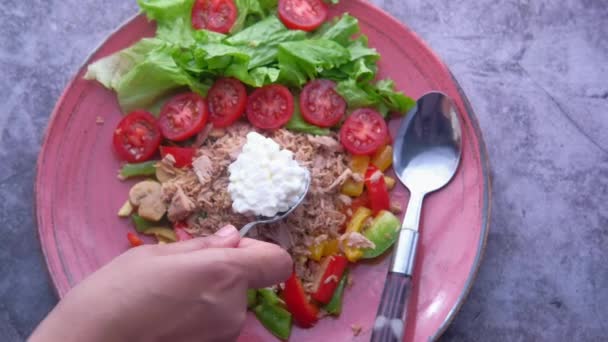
<point>67,323</point>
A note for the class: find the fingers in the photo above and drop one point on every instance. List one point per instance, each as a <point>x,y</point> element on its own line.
<point>261,263</point>
<point>226,237</point>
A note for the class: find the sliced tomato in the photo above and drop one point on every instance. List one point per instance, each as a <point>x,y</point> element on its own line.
<point>227,100</point>
<point>379,198</point>
<point>304,15</point>
<point>183,116</point>
<point>328,276</point>
<point>136,137</point>
<point>363,132</point>
<point>270,107</point>
<point>134,240</point>
<point>214,15</point>
<point>183,155</point>
<point>304,313</point>
<point>320,104</point>
<point>180,230</point>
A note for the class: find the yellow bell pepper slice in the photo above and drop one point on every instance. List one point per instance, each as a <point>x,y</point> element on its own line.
<point>390,182</point>
<point>316,251</point>
<point>359,217</point>
<point>353,254</point>
<point>354,225</point>
<point>331,247</point>
<point>166,233</point>
<point>358,165</point>
<point>383,158</point>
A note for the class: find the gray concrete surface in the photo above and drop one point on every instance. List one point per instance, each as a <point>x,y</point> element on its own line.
<point>536,73</point>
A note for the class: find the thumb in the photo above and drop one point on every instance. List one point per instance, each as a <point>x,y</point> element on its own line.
<point>226,237</point>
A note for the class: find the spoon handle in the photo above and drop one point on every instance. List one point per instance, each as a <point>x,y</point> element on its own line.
<point>246,228</point>
<point>391,313</point>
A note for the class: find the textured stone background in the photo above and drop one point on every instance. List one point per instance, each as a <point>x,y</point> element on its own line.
<point>536,73</point>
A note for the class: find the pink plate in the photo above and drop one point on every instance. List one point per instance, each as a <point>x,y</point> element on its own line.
<point>78,195</point>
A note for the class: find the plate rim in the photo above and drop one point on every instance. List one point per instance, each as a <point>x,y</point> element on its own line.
<point>483,152</point>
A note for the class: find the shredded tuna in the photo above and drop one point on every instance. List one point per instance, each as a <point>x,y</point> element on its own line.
<point>318,218</point>
<point>375,176</point>
<point>357,177</point>
<point>203,168</point>
<point>202,136</point>
<point>327,142</point>
<point>346,200</point>
<point>217,132</point>
<point>395,207</point>
<point>331,278</point>
<point>356,240</point>
<point>181,206</point>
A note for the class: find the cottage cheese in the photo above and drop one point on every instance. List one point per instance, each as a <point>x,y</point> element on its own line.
<point>265,179</point>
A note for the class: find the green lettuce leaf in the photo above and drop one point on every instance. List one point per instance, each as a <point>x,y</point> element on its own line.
<point>382,95</point>
<point>142,73</point>
<point>339,30</point>
<point>251,11</point>
<point>303,60</point>
<point>297,123</point>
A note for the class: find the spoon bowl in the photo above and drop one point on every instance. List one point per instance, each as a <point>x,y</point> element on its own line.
<point>279,216</point>
<point>428,146</point>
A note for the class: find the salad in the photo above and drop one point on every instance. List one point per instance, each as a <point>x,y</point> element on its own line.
<point>218,70</point>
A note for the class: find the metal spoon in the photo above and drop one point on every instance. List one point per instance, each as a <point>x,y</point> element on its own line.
<point>426,156</point>
<point>278,216</point>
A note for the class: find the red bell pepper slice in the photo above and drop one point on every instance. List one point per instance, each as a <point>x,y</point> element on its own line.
<point>304,313</point>
<point>328,277</point>
<point>376,190</point>
<point>183,155</point>
<point>180,231</point>
<point>134,240</point>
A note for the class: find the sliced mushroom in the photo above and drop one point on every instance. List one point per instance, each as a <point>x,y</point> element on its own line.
<point>146,196</point>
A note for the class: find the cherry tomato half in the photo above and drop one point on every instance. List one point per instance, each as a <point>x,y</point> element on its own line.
<point>227,100</point>
<point>320,104</point>
<point>214,15</point>
<point>363,132</point>
<point>304,15</point>
<point>136,137</point>
<point>270,107</point>
<point>183,116</point>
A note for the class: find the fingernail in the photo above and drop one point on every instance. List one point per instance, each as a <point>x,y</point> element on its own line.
<point>226,231</point>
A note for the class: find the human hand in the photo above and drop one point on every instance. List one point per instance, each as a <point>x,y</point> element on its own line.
<point>192,290</point>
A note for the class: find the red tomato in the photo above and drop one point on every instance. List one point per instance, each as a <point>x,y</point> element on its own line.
<point>304,313</point>
<point>134,240</point>
<point>379,198</point>
<point>183,155</point>
<point>328,277</point>
<point>227,100</point>
<point>214,15</point>
<point>136,137</point>
<point>183,116</point>
<point>320,104</point>
<point>363,132</point>
<point>270,107</point>
<point>304,15</point>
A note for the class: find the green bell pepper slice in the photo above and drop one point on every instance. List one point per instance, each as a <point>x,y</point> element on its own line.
<point>274,318</point>
<point>252,298</point>
<point>138,170</point>
<point>334,307</point>
<point>141,224</point>
<point>383,232</point>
